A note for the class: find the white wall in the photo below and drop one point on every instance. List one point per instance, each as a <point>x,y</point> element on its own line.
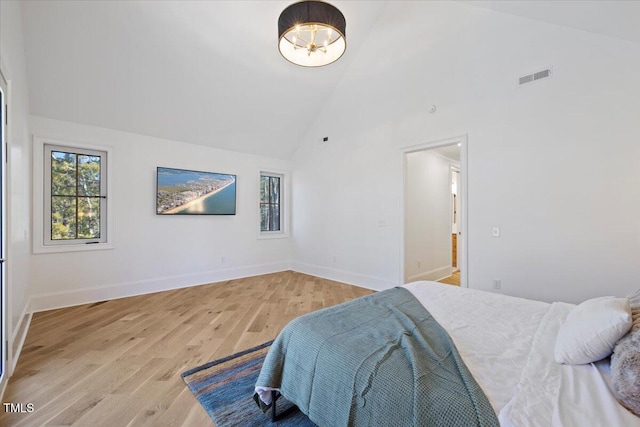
<point>152,252</point>
<point>428,213</point>
<point>12,61</point>
<point>554,163</point>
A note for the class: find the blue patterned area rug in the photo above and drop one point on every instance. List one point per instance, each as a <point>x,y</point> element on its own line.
<point>225,389</point>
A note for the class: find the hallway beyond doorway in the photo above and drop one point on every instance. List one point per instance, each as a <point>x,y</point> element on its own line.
<point>454,279</point>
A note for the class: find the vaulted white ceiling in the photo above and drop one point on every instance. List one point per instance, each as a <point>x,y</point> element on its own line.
<point>619,19</point>
<point>201,72</point>
<point>209,72</point>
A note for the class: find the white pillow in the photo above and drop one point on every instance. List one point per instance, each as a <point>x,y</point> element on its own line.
<point>592,329</point>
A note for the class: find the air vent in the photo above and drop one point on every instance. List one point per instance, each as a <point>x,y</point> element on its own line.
<point>534,77</point>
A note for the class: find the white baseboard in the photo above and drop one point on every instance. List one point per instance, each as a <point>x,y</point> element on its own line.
<point>362,280</point>
<point>3,386</point>
<point>15,343</point>
<point>433,275</point>
<point>18,337</point>
<point>61,299</point>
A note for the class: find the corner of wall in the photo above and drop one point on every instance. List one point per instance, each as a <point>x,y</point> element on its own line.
<point>356,279</point>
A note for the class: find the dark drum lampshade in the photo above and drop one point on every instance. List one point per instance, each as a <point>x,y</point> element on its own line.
<point>312,33</point>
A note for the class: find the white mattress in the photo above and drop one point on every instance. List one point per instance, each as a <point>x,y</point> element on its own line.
<point>507,344</point>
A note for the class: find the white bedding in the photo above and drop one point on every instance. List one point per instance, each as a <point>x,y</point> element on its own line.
<point>507,343</point>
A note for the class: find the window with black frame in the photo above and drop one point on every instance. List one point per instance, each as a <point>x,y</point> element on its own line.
<point>270,203</point>
<point>75,195</point>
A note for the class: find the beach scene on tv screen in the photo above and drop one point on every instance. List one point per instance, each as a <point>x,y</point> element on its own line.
<point>185,192</point>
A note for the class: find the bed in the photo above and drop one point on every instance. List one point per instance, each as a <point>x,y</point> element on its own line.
<point>507,344</point>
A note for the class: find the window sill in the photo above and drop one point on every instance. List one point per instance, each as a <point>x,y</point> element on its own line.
<point>273,235</point>
<point>41,249</point>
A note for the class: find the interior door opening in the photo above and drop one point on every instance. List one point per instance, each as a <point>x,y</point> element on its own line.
<point>434,220</point>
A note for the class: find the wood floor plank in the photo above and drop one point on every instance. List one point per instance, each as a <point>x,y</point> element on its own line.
<point>118,363</point>
<point>454,279</point>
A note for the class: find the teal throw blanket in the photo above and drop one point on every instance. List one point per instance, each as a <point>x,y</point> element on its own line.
<point>379,360</point>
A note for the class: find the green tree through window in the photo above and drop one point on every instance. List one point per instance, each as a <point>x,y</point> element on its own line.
<point>270,203</point>
<point>76,198</point>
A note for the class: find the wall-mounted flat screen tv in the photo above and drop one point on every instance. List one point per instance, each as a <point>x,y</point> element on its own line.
<point>187,192</point>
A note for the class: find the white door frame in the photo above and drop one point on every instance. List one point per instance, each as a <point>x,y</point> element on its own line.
<point>4,334</point>
<point>462,236</point>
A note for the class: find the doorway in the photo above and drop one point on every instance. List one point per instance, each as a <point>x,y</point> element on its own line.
<point>434,212</point>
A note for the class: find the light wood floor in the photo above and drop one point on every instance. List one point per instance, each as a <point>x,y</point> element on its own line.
<point>454,279</point>
<point>118,363</point>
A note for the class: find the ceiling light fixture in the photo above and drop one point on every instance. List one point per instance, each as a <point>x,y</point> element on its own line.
<point>312,33</point>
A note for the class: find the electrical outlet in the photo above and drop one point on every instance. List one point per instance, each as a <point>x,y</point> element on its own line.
<point>497,284</point>
<point>495,231</point>
<point>221,260</point>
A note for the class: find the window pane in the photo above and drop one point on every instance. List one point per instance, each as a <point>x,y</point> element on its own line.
<point>264,217</point>
<point>88,175</point>
<point>63,173</point>
<point>63,218</point>
<point>270,188</point>
<point>275,189</point>
<point>269,217</point>
<point>264,189</point>
<point>274,217</point>
<point>88,217</point>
